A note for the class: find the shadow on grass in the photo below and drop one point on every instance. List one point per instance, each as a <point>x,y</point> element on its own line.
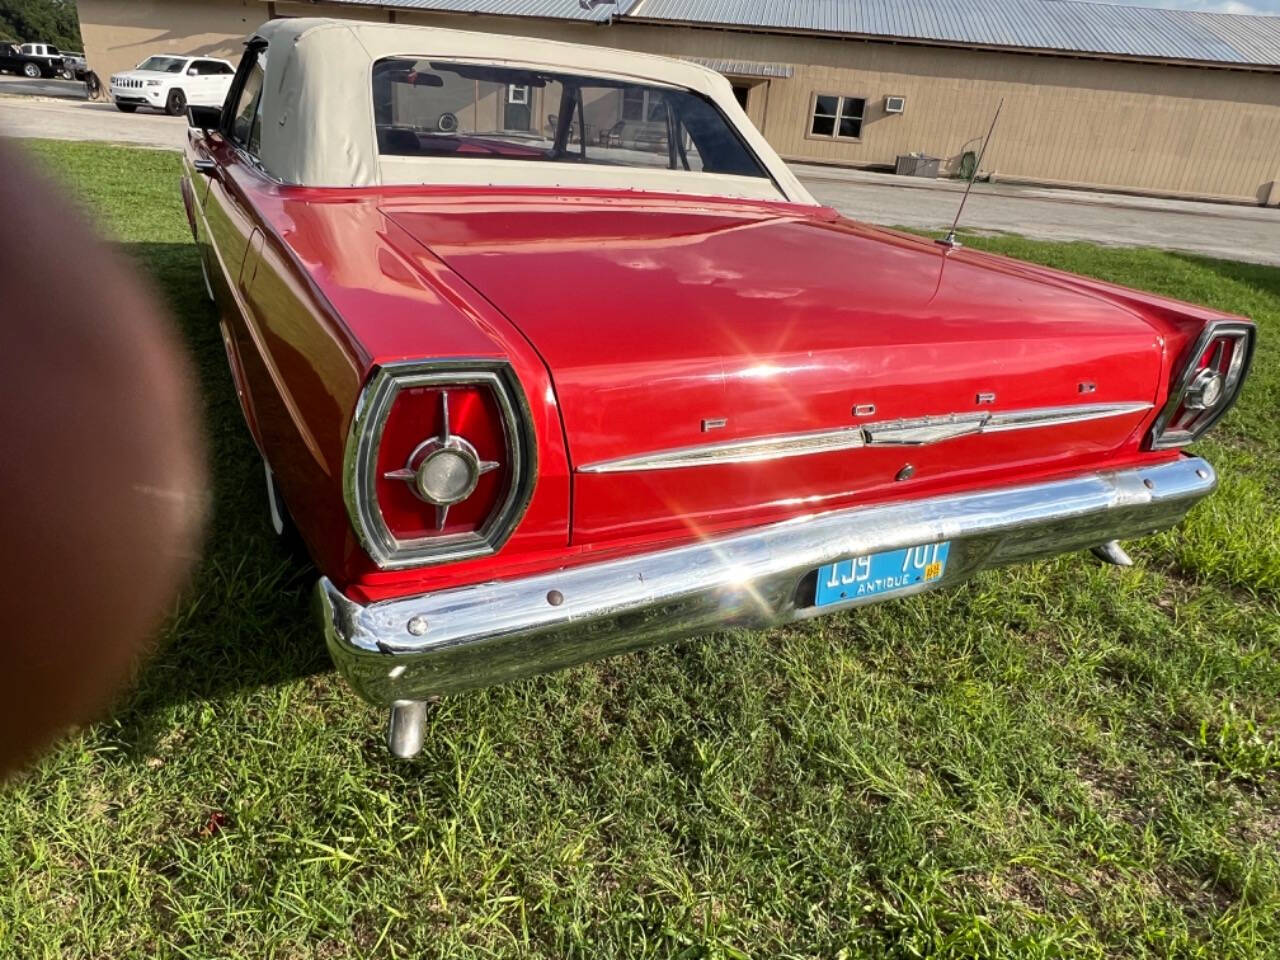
<point>245,621</point>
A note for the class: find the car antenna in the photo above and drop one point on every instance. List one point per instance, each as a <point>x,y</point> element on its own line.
<point>950,239</point>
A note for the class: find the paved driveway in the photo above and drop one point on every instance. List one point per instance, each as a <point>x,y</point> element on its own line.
<point>1217,230</point>
<point>1229,231</point>
<point>21,86</point>
<point>82,120</point>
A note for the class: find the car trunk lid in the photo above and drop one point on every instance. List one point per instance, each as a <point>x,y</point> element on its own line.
<point>674,326</point>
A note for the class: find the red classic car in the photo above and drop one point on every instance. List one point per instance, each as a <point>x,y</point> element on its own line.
<point>534,392</point>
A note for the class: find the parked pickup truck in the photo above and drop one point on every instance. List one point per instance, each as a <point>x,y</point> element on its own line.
<point>32,60</point>
<point>74,66</point>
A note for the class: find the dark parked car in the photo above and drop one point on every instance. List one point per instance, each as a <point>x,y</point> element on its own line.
<point>32,60</point>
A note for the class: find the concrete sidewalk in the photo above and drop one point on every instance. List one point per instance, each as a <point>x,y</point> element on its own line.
<point>1228,231</point>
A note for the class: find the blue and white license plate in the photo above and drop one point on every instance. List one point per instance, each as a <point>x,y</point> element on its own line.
<point>880,574</point>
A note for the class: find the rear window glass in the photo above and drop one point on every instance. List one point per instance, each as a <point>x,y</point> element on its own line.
<point>163,64</point>
<point>430,109</point>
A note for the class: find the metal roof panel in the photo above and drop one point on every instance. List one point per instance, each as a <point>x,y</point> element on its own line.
<point>1070,26</point>
<point>553,9</point>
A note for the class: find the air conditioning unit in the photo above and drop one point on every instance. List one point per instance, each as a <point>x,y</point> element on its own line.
<point>895,104</point>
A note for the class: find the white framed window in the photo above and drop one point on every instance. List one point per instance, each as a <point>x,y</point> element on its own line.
<point>517,93</point>
<point>633,103</point>
<point>642,105</point>
<point>836,117</point>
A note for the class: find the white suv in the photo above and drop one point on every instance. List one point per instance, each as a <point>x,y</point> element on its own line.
<point>170,82</point>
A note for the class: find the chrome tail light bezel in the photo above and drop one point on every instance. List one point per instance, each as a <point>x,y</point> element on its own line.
<point>1162,436</point>
<point>360,462</point>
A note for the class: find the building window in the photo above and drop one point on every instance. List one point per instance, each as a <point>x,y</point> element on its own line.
<point>632,103</point>
<point>518,93</point>
<point>839,118</point>
<point>642,105</point>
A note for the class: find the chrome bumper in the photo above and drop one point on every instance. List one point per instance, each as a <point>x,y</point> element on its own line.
<point>456,639</point>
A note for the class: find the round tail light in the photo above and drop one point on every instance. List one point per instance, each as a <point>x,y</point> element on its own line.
<point>439,462</point>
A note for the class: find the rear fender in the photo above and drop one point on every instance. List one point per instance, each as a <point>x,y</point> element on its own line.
<point>1176,322</point>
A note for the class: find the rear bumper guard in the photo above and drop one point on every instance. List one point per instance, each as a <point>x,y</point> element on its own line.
<point>456,639</point>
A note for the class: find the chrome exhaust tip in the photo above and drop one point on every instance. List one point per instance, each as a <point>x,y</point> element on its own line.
<point>406,728</point>
<point>1112,552</point>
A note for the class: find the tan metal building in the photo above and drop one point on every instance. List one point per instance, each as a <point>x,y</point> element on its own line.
<point>1123,98</point>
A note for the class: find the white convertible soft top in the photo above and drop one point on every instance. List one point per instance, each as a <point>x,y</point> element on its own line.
<point>318,124</point>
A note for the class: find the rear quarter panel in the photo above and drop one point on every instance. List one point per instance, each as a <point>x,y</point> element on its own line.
<point>1177,322</point>
<point>329,290</point>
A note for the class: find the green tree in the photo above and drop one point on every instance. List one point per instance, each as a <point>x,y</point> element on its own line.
<point>41,21</point>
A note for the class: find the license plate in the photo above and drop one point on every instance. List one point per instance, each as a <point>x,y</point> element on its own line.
<point>880,574</point>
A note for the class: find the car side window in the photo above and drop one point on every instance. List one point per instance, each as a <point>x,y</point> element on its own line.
<point>246,123</point>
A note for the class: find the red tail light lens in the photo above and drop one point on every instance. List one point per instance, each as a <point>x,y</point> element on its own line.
<point>442,461</point>
<point>439,462</point>
<point>1206,385</point>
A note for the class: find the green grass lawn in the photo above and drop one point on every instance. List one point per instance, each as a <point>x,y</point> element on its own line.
<point>1062,759</point>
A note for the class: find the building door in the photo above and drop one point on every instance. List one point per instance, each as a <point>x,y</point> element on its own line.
<point>740,93</point>
<point>516,114</point>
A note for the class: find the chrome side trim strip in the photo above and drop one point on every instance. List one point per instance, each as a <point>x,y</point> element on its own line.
<point>449,640</point>
<point>1057,416</point>
<point>903,433</point>
<point>735,451</point>
<point>915,432</point>
<point>924,430</point>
